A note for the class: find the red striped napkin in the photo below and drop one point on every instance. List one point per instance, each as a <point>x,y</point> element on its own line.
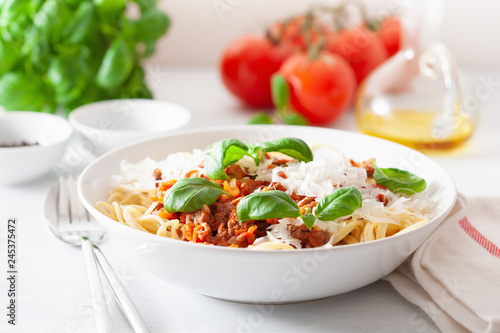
<point>454,276</point>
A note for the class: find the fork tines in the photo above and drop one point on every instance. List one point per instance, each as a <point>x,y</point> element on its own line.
<point>72,215</point>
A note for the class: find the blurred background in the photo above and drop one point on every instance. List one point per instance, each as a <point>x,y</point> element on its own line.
<point>59,55</point>
<point>201,28</point>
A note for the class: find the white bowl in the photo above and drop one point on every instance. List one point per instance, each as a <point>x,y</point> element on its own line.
<point>115,123</point>
<point>267,276</point>
<point>22,164</point>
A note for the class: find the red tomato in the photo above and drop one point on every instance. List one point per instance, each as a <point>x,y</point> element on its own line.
<point>362,49</point>
<point>247,65</point>
<point>320,89</point>
<point>390,34</point>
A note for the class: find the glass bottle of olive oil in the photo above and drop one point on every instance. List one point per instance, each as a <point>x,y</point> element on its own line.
<point>418,97</point>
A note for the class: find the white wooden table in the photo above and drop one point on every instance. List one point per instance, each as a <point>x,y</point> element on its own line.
<point>52,293</point>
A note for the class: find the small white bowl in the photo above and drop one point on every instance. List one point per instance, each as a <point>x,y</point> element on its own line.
<point>22,164</point>
<point>115,123</point>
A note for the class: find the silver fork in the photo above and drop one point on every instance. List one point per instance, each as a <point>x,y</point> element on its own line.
<point>72,224</point>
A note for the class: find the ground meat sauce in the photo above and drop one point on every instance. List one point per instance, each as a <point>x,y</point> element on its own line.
<point>218,223</point>
<point>309,238</point>
<point>157,176</point>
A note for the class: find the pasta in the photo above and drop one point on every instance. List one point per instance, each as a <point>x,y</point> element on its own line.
<point>138,195</point>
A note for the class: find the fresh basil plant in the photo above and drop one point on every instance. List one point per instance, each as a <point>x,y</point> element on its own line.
<point>66,53</point>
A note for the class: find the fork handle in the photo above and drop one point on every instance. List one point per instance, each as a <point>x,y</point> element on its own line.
<point>127,305</point>
<point>102,323</point>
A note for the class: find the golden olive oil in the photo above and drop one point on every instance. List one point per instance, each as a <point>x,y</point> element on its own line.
<point>413,128</point>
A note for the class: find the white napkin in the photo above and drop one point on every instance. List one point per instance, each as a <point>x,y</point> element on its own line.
<point>455,275</point>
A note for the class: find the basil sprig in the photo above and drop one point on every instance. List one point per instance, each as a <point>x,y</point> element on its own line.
<point>190,194</point>
<point>267,205</point>
<point>226,152</point>
<point>277,204</point>
<point>280,93</point>
<point>222,154</point>
<point>344,201</point>
<point>292,147</point>
<point>308,218</point>
<point>398,181</point>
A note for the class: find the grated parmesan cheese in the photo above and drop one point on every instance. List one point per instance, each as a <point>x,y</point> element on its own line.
<point>175,166</point>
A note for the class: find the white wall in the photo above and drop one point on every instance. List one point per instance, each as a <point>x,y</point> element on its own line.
<point>199,32</point>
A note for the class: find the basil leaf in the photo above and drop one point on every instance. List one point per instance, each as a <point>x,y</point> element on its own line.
<point>110,10</point>
<point>223,154</point>
<point>135,86</point>
<point>190,194</point>
<point>145,4</point>
<point>260,118</point>
<point>11,11</point>
<point>9,54</point>
<point>116,65</point>
<point>267,205</point>
<point>279,91</point>
<point>344,201</point>
<point>309,220</point>
<point>294,119</point>
<point>51,20</point>
<point>67,79</point>
<point>292,147</point>
<point>81,25</point>
<point>398,181</point>
<point>152,25</point>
